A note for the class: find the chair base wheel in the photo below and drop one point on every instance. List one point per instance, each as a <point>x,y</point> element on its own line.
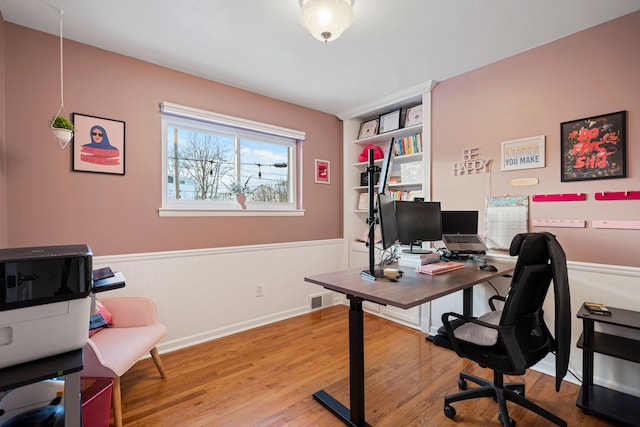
<point>511,423</point>
<point>449,411</point>
<point>462,384</point>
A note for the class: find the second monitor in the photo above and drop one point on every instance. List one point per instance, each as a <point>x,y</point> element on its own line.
<point>418,222</point>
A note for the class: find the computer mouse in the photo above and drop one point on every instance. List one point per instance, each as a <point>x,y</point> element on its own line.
<point>488,267</point>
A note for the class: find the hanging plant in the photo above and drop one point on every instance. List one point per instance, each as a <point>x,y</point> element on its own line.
<point>61,122</point>
<point>62,128</point>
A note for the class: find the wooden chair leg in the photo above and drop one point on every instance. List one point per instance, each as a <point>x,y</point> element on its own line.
<point>116,403</point>
<point>156,359</point>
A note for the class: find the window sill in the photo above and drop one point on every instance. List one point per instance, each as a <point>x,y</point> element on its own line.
<point>174,212</point>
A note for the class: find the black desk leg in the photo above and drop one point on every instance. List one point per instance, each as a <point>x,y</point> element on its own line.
<point>355,416</point>
<point>467,302</point>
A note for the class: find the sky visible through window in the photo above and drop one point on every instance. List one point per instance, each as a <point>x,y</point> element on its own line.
<point>208,166</point>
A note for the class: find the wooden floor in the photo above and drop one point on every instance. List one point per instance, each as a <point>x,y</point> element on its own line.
<point>266,376</point>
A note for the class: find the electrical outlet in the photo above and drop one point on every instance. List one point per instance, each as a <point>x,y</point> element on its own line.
<point>259,290</point>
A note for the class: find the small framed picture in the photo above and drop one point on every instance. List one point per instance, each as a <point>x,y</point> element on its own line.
<point>322,172</point>
<point>368,129</point>
<point>98,145</point>
<point>363,202</point>
<point>525,153</point>
<point>364,178</point>
<point>390,121</point>
<point>413,116</point>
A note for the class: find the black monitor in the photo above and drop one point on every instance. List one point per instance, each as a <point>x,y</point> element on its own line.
<point>418,222</point>
<point>387,220</point>
<point>386,168</point>
<point>459,222</point>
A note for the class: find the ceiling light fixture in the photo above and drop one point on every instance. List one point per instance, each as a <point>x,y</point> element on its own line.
<point>326,19</point>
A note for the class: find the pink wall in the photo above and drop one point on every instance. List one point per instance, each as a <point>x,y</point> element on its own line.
<point>49,204</point>
<point>590,73</point>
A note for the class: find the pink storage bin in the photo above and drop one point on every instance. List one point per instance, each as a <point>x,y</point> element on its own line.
<point>96,401</point>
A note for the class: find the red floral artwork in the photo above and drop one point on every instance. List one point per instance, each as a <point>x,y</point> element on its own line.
<point>594,148</point>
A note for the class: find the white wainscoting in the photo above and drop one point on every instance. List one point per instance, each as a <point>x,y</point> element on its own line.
<point>206,294</point>
<point>615,286</point>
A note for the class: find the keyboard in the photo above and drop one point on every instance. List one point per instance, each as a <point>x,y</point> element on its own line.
<point>463,239</point>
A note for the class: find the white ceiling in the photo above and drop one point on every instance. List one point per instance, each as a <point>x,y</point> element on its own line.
<point>260,45</point>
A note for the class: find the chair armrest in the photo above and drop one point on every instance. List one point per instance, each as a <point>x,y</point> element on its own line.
<point>506,335</point>
<point>130,312</point>
<point>468,320</point>
<point>94,363</point>
<point>449,329</point>
<point>495,298</point>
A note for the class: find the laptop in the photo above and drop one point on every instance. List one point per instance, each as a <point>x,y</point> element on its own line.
<point>460,233</point>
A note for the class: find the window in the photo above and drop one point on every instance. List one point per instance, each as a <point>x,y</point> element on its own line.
<point>208,159</point>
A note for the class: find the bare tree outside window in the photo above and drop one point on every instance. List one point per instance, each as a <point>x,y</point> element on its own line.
<point>215,166</point>
<point>203,161</point>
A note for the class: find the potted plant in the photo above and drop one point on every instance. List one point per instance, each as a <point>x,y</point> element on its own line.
<point>62,128</point>
<point>240,192</point>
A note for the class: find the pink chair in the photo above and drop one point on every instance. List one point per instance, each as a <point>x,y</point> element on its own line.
<point>110,352</point>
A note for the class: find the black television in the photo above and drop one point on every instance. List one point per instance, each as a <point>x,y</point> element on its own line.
<point>459,222</point>
<point>418,222</point>
<point>387,220</point>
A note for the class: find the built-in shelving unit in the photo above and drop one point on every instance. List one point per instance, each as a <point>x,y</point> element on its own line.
<point>383,141</point>
<point>355,226</point>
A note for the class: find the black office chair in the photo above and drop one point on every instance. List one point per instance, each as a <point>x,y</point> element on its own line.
<point>510,341</point>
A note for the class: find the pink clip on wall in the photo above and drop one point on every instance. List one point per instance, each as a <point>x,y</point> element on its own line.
<point>618,195</point>
<point>559,197</point>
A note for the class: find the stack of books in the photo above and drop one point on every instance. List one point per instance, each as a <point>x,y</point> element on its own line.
<point>597,308</point>
<point>407,259</point>
<point>440,267</point>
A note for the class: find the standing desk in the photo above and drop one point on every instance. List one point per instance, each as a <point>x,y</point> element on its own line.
<point>411,290</point>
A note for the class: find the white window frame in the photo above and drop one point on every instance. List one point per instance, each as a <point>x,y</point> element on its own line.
<point>192,117</point>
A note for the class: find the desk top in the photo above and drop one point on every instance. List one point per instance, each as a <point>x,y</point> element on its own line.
<point>412,288</point>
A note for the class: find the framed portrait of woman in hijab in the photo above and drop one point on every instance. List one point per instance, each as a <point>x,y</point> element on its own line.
<point>98,144</point>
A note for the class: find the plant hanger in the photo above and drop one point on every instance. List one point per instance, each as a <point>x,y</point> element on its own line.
<point>62,134</point>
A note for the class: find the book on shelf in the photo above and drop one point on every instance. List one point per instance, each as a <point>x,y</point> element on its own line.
<point>398,194</point>
<point>408,145</point>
